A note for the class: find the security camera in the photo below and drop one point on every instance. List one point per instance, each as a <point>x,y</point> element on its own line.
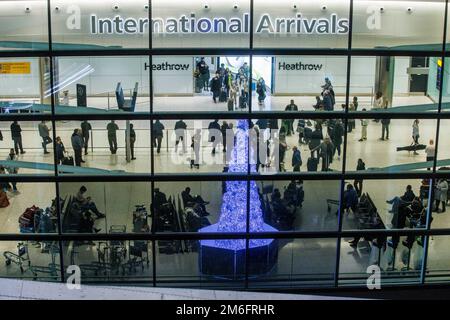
<point>324,7</point>
<point>206,6</point>
<point>27,9</point>
<point>381,9</point>
<point>294,7</point>
<point>57,8</point>
<point>146,7</point>
<point>116,7</point>
<point>236,6</point>
<point>409,10</point>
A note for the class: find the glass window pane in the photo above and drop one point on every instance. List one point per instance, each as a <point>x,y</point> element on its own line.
<point>99,207</point>
<point>30,260</point>
<point>308,25</point>
<point>438,259</point>
<point>28,208</point>
<point>101,85</point>
<point>196,24</point>
<point>298,263</point>
<point>106,147</point>
<point>399,25</point>
<point>93,25</point>
<point>24,25</point>
<point>394,84</point>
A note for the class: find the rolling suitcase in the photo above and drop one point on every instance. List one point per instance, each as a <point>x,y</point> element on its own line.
<point>223,95</point>
<point>230,105</point>
<point>312,164</point>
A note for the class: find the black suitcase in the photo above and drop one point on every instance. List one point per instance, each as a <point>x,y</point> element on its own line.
<point>242,102</point>
<point>312,164</point>
<point>68,161</point>
<point>223,96</point>
<point>230,105</point>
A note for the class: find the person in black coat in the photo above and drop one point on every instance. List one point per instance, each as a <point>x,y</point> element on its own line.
<point>180,134</point>
<point>158,134</point>
<point>336,137</point>
<point>216,86</point>
<point>85,133</point>
<point>60,150</point>
<point>214,134</point>
<point>16,135</point>
<point>358,183</point>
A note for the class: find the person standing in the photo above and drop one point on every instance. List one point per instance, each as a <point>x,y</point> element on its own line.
<point>223,130</point>
<point>385,129</point>
<point>216,86</point>
<point>415,133</point>
<point>290,122</point>
<point>77,145</point>
<point>358,183</point>
<point>44,132</point>
<point>158,134</point>
<point>196,141</point>
<point>364,124</point>
<point>337,136</point>
<point>296,159</point>
<point>282,147</point>
<point>441,194</point>
<point>261,91</point>
<point>132,141</point>
<point>327,101</point>
<point>112,128</point>
<point>60,150</point>
<point>180,134</point>
<point>16,135</point>
<point>85,133</point>
<point>203,68</point>
<point>326,153</point>
<point>430,151</point>
<point>12,156</point>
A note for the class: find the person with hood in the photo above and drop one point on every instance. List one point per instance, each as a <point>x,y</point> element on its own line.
<point>261,91</point>
<point>77,145</point>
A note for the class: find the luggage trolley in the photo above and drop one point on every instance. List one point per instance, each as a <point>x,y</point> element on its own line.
<point>52,268</point>
<point>117,249</point>
<point>20,258</point>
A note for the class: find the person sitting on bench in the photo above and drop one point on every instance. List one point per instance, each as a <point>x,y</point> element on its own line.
<point>282,214</point>
<point>87,204</point>
<point>192,201</point>
<point>87,223</point>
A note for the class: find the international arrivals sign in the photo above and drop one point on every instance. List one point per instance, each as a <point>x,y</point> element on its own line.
<point>191,24</point>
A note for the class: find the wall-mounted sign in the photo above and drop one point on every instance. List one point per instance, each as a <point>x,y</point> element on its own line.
<point>15,67</point>
<point>299,66</point>
<point>194,25</point>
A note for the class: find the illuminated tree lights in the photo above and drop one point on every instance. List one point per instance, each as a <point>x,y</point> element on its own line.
<point>233,213</point>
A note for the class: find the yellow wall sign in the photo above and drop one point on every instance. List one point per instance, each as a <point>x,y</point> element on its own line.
<point>15,67</point>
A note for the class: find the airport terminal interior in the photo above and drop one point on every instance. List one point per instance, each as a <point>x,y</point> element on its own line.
<point>142,115</point>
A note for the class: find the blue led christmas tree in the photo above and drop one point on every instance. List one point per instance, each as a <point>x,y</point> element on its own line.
<point>233,213</point>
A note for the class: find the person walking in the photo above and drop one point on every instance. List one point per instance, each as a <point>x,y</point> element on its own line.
<point>12,156</point>
<point>216,86</point>
<point>358,183</point>
<point>213,132</point>
<point>326,153</point>
<point>16,135</point>
<point>85,133</point>
<point>180,134</point>
<point>415,133</point>
<point>430,151</point>
<point>223,130</point>
<point>112,128</point>
<point>290,122</point>
<point>364,124</point>
<point>385,129</point>
<point>296,159</point>
<point>196,141</point>
<point>77,145</point>
<point>44,132</point>
<point>158,134</point>
<point>132,141</point>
